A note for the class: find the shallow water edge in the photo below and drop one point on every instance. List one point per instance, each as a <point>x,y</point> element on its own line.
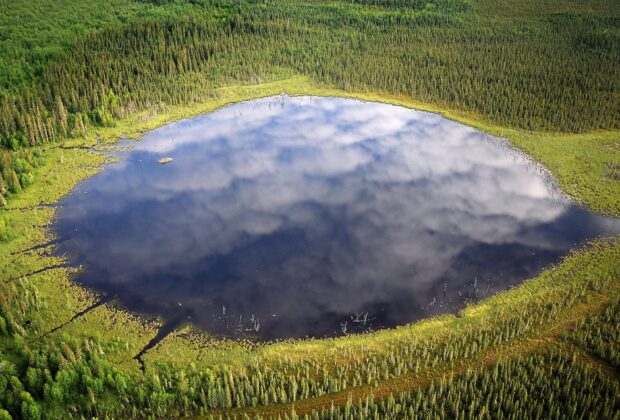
<point>31,227</point>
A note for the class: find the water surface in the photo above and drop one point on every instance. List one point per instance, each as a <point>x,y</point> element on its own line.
<point>292,217</point>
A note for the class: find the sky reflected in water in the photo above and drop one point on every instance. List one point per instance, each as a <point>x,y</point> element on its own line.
<point>292,217</point>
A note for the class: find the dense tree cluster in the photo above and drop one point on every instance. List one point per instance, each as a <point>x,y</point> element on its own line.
<point>448,5</point>
<point>71,375</point>
<point>556,72</point>
<point>536,387</point>
<point>569,82</point>
<point>17,171</point>
<point>600,335</point>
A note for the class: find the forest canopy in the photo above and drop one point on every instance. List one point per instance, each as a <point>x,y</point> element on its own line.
<point>557,72</point>
<point>67,66</point>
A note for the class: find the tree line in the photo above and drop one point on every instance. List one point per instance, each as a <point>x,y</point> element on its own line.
<point>68,374</point>
<point>535,387</point>
<point>555,74</point>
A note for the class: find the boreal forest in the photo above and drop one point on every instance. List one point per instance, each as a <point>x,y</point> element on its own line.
<point>78,75</point>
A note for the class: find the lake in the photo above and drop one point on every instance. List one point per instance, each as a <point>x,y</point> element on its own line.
<point>311,216</point>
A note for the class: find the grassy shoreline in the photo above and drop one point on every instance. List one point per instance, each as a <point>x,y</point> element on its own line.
<point>583,165</point>
<point>586,166</point>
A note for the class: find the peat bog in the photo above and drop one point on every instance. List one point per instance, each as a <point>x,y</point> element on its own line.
<point>288,217</point>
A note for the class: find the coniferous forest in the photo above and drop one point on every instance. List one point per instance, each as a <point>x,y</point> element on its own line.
<point>544,74</point>
<point>554,72</point>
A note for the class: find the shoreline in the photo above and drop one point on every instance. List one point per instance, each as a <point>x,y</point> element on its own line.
<point>70,162</point>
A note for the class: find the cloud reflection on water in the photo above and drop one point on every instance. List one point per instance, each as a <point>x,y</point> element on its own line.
<point>314,209</point>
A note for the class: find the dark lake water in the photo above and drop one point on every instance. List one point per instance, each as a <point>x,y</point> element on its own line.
<point>293,217</point>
